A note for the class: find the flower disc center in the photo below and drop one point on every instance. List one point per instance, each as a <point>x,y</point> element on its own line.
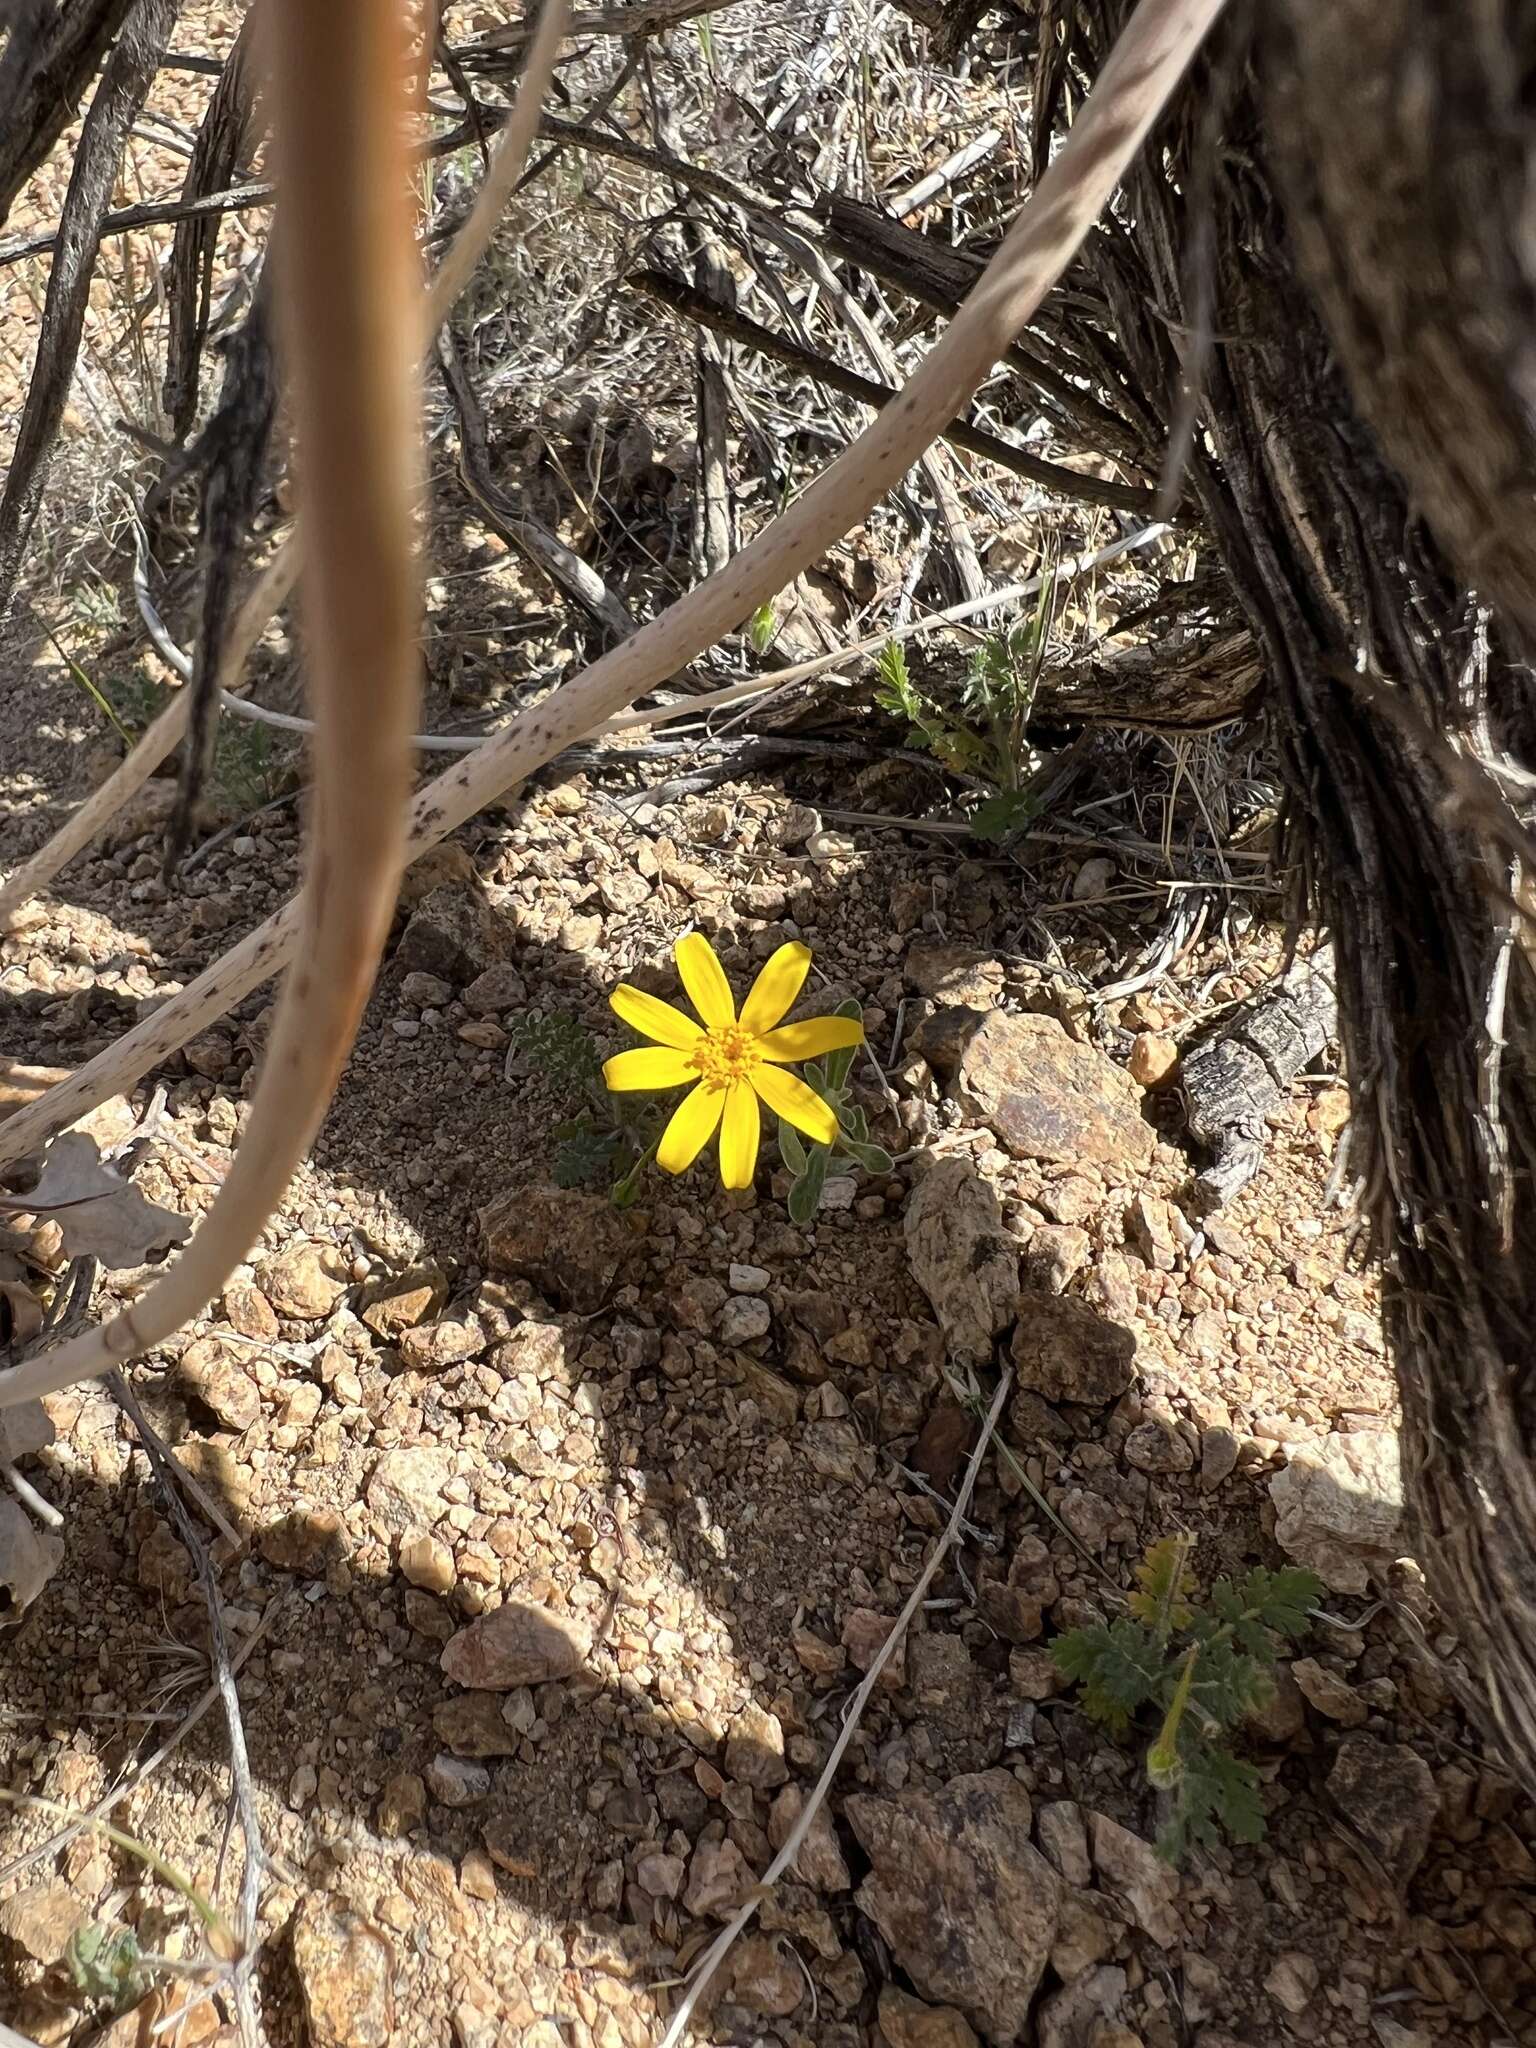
<point>725,1055</point>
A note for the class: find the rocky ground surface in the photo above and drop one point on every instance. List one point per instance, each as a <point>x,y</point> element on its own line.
<point>554,1540</point>
<point>563,1534</point>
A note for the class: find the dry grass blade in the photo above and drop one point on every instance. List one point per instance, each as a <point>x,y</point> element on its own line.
<point>271,588</point>
<point>1147,63</point>
<point>352,333</point>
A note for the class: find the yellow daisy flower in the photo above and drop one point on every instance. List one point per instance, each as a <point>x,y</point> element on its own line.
<point>733,1061</point>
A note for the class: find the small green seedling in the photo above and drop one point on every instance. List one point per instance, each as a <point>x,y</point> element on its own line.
<point>810,1164</point>
<point>982,732</point>
<point>610,1138</point>
<point>1201,1669</point>
<point>106,1963</point>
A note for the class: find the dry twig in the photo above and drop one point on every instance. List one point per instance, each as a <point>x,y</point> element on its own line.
<point>1146,65</point>
<point>720,1947</point>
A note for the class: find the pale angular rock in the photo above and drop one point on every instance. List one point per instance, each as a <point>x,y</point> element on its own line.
<point>304,1281</point>
<point>1339,1508</point>
<point>961,1258</point>
<point>1085,1935</point>
<point>499,989</point>
<point>1334,1697</point>
<point>1218,1457</point>
<point>754,1748</point>
<point>346,1968</point>
<point>962,1895</point>
<point>456,1781</point>
<point>519,1643</point>
<point>305,1540</point>
<point>953,974</point>
<point>570,1243</point>
<point>1153,1446</point>
<point>1133,1870</point>
<point>248,1310</point>
<point>401,1304</point>
<point>1153,1059</point>
<point>763,1979</point>
<point>659,1875</point>
<point>819,1861</point>
<point>454,934</point>
<point>405,1489</point>
<point>906,2022</point>
<point>1055,1255</point>
<point>864,1636</point>
<point>473,1725</point>
<point>718,1877</point>
<point>744,1318</point>
<point>1047,1097</point>
<point>41,1918</point>
<point>433,1347</point>
<point>1065,1352</point>
<point>1082,2013</point>
<point>1292,1982</point>
<point>1061,1833</point>
<point>215,1375</point>
<point>402,1803</point>
<point>427,1562</point>
<point>1385,1791</point>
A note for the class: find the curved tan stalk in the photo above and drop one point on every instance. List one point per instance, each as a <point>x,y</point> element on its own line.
<point>352,328</point>
<point>1148,61</point>
<point>268,592</point>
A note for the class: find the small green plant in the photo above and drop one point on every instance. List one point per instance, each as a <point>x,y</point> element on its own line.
<point>1201,1668</point>
<point>107,1963</point>
<point>248,764</point>
<point>983,732</point>
<point>810,1164</point>
<point>607,1139</point>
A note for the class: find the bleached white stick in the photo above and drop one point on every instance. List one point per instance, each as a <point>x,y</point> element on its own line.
<point>1138,77</point>
<point>267,594</point>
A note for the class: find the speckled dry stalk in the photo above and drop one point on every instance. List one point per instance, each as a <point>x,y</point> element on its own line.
<point>352,322</point>
<point>271,588</point>
<point>1149,60</point>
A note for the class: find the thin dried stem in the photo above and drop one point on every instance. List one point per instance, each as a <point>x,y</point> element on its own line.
<point>1138,78</point>
<point>720,1947</point>
<point>271,588</point>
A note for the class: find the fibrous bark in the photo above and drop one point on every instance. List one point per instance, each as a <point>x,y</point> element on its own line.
<point>125,82</point>
<point>51,51</point>
<point>1385,692</point>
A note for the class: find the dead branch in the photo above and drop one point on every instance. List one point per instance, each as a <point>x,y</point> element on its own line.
<point>576,580</point>
<point>353,327</point>
<point>50,57</point>
<point>1142,72</point>
<point>125,83</point>
<point>151,213</point>
<point>750,333</point>
<point>224,142</point>
<point>271,588</point>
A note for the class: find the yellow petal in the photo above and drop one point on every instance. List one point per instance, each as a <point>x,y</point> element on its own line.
<point>739,1135</point>
<point>776,987</point>
<point>704,979</point>
<point>653,1018</point>
<point>648,1066</point>
<point>811,1037</point>
<point>797,1102</point>
<point>692,1127</point>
